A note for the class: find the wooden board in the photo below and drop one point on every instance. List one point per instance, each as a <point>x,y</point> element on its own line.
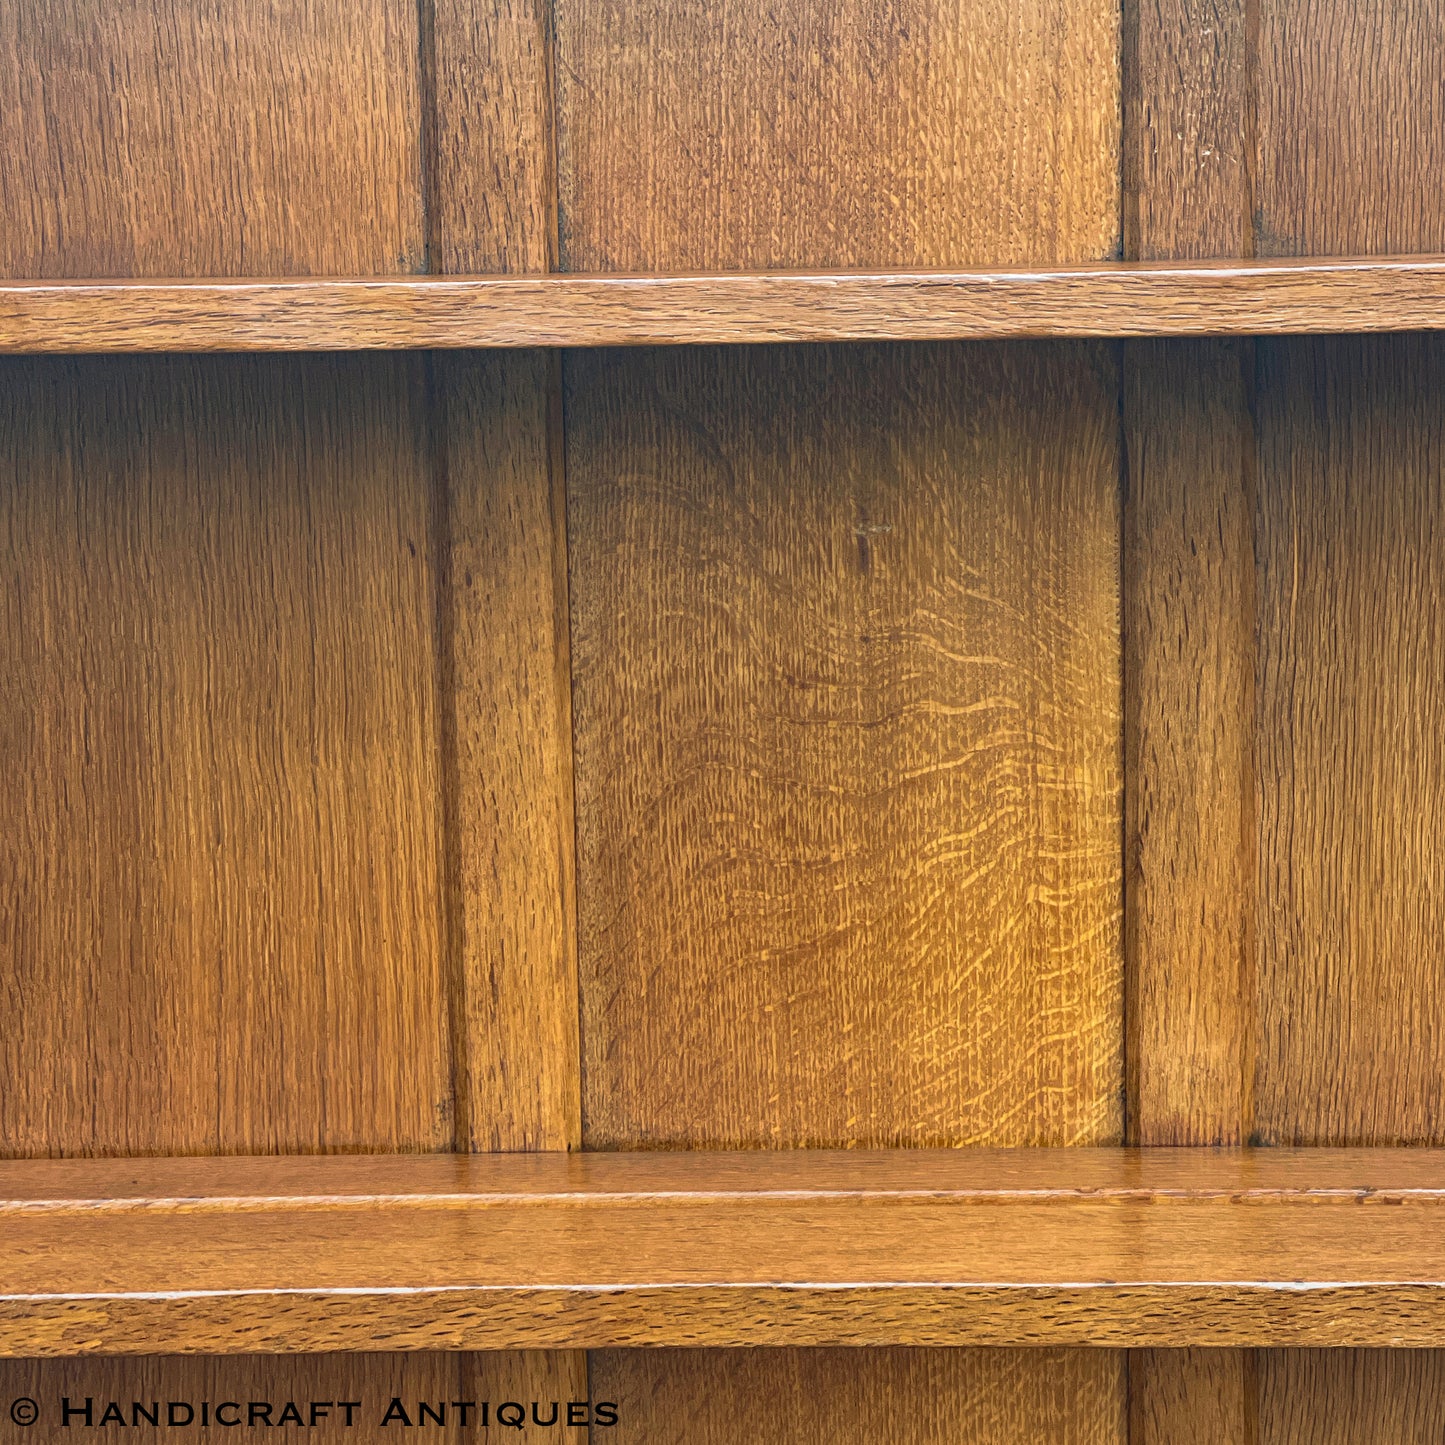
<point>926,133</point>
<point>220,737</point>
<point>847,717</point>
<point>911,1397</point>
<point>1351,124</point>
<point>794,860</point>
<point>947,1247</point>
<point>811,680</point>
<point>1189,128</point>
<point>1190,132</point>
<point>492,206</point>
<point>509,786</point>
<point>1192,1396</point>
<point>1190,807</point>
<point>1152,1176</point>
<point>1114,299</point>
<point>165,137</point>
<point>492,197</point>
<point>1363,1397</point>
<point>1352,767</point>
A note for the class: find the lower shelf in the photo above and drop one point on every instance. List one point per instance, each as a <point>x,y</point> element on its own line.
<point>980,1247</point>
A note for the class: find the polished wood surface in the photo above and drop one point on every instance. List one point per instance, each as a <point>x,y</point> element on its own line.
<point>746,135</point>
<point>960,1247</point>
<point>509,792</point>
<point>1159,1176</point>
<point>1351,104</point>
<point>1189,741</point>
<point>164,137</point>
<point>915,1396</point>
<point>1120,299</point>
<point>816,686</point>
<point>1352,1003</point>
<point>272,883</point>
<point>817,903</point>
<point>218,739</point>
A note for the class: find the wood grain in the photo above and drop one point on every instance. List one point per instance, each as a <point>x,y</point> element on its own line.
<point>492,202</point>
<point>492,206</point>
<point>1193,1397</point>
<point>1190,719</point>
<point>1154,299</point>
<point>911,1397</point>
<point>1189,129</point>
<point>1364,1397</point>
<point>746,135</point>
<point>1155,1176</point>
<point>1352,797</point>
<point>170,137</point>
<point>222,924</point>
<point>1190,132</point>
<point>955,1247</point>
<point>847,718</point>
<point>1351,120</point>
<point>510,789</point>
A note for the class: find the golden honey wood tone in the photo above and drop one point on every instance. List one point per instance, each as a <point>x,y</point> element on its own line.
<point>906,1396</point>
<point>218,725</point>
<point>743,134</point>
<point>844,698</point>
<point>169,138</point>
<point>928,1247</point>
<point>1228,298</point>
<point>1189,125</point>
<point>830,611</point>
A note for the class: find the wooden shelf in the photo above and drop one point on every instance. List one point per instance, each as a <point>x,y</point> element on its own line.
<point>1081,1247</point>
<point>323,314</point>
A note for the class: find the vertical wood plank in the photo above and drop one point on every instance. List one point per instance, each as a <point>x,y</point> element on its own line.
<point>1189,670</point>
<point>507,672</point>
<point>492,202</point>
<point>1352,123</point>
<point>200,137</point>
<point>1194,1397</point>
<point>1352,684</point>
<point>1352,1397</point>
<point>221,925</point>
<point>848,745</point>
<point>904,1396</point>
<point>847,716</point>
<point>740,134</point>
<point>510,750</point>
<point>1188,129</point>
<point>1189,135</point>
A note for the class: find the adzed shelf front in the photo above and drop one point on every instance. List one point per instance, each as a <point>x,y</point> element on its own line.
<point>1115,299</point>
<point>1057,1247</point>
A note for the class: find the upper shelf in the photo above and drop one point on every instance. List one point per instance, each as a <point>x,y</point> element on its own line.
<point>970,1247</point>
<point>1223,298</point>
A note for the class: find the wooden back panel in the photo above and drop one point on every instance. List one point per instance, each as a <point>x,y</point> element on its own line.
<point>170,138</point>
<point>1282,595</point>
<point>297,635</point>
<point>846,696</point>
<point>743,135</point>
